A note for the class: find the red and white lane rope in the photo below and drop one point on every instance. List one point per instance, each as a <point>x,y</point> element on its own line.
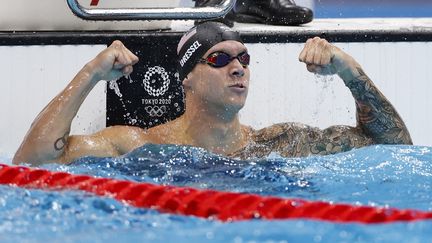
<point>225,206</point>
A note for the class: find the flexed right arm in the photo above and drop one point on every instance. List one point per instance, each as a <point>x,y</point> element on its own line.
<point>48,136</point>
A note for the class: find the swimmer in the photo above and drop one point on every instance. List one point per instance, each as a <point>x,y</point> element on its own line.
<point>214,68</point>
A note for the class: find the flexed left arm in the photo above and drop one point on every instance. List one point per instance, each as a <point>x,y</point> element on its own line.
<point>376,116</point>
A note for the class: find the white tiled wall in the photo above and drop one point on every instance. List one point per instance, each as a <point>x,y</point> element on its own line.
<point>281,87</point>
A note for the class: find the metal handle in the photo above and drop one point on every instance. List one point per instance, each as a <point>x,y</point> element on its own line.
<point>151,13</point>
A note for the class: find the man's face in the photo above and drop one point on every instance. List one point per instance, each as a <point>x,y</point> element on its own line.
<point>220,87</point>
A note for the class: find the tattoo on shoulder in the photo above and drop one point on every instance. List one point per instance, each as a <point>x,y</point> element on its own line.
<point>60,143</point>
<point>298,140</point>
<point>338,139</point>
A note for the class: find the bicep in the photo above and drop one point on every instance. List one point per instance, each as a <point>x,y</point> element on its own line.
<point>88,145</point>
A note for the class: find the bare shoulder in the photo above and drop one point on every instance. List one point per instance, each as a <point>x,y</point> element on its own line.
<point>115,130</point>
<point>110,141</point>
<point>297,140</point>
<point>125,138</point>
<point>133,136</point>
<point>280,129</point>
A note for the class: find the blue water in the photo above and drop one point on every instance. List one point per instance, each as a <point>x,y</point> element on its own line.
<point>395,176</point>
<point>372,8</point>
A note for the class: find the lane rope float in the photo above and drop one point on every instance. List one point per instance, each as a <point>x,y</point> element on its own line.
<point>224,206</point>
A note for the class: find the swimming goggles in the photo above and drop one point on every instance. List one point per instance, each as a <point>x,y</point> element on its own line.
<point>221,59</point>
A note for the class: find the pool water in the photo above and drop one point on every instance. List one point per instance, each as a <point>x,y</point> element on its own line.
<point>394,176</point>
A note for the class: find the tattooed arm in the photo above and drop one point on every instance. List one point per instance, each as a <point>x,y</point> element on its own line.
<point>48,137</point>
<point>376,117</point>
<point>298,140</point>
<point>377,120</point>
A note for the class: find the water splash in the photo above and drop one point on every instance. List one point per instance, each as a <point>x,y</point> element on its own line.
<point>114,86</point>
<point>324,84</point>
<point>324,81</point>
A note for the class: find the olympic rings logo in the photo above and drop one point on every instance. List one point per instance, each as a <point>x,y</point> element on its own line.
<point>148,76</point>
<point>156,111</point>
